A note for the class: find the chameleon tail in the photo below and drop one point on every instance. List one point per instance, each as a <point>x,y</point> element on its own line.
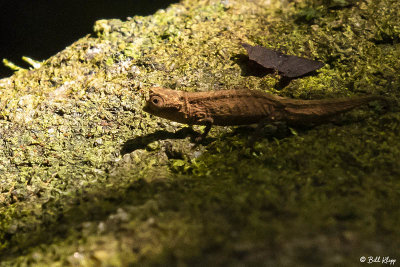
<point>314,111</point>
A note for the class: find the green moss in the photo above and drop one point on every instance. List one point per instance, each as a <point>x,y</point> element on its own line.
<point>88,178</point>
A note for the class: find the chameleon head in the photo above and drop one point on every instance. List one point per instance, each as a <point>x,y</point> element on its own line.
<point>166,103</point>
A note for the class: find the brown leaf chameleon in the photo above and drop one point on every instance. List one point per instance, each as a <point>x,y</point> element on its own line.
<point>241,107</point>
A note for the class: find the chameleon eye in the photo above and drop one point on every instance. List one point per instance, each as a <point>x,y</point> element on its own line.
<point>157,101</point>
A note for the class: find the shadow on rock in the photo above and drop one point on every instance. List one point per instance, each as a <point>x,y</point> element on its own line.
<point>141,142</point>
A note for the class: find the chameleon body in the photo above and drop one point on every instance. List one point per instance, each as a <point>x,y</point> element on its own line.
<point>240,107</point>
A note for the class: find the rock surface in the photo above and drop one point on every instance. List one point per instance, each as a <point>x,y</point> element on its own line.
<point>89,179</point>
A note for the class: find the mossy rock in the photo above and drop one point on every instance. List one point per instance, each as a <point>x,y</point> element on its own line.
<point>89,179</point>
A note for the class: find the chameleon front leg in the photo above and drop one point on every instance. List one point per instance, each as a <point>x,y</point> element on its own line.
<point>204,134</point>
<point>203,119</point>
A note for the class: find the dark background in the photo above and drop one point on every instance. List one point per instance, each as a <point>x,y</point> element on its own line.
<point>41,28</point>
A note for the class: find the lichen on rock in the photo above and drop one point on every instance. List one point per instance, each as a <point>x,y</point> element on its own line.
<point>88,178</point>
